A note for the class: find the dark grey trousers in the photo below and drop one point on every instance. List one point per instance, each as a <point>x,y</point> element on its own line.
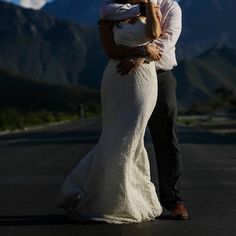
<point>163,129</point>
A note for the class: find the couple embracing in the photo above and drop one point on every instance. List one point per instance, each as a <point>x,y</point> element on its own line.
<point>112,183</point>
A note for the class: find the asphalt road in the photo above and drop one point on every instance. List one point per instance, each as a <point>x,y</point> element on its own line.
<point>33,165</point>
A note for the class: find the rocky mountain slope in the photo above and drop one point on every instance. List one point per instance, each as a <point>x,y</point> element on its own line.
<point>47,49</point>
<point>205,23</point>
<point>27,95</point>
<point>40,46</point>
<point>82,12</point>
<point>199,78</point>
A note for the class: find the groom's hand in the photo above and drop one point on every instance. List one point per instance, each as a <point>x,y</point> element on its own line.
<point>127,65</point>
<point>153,52</point>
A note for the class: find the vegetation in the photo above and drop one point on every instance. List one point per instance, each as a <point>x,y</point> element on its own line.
<point>188,122</point>
<point>199,78</point>
<point>25,102</point>
<point>224,101</point>
<point>11,119</point>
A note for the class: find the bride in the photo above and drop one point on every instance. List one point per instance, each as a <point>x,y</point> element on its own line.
<point>112,182</point>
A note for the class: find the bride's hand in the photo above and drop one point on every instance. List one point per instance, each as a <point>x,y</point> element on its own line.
<point>127,65</point>
<point>158,12</point>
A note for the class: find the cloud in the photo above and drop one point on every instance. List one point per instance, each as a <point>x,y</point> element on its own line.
<point>35,4</point>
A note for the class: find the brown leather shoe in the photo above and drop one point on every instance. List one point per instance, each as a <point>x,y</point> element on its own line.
<point>179,212</point>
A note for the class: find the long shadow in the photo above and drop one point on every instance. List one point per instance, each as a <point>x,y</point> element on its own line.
<point>190,135</point>
<point>194,136</point>
<point>67,137</point>
<point>186,135</point>
<point>32,220</point>
<point>51,135</point>
<point>42,220</point>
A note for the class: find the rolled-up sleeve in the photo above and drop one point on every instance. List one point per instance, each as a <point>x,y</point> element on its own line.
<point>113,11</point>
<point>171,29</point>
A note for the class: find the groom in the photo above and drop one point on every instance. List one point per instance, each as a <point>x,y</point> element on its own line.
<point>162,123</point>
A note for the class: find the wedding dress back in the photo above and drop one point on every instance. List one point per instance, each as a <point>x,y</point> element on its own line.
<point>112,182</point>
<point>131,34</point>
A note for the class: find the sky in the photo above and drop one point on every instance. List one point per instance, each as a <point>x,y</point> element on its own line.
<point>35,4</point>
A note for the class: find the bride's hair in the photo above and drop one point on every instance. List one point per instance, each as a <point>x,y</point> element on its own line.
<point>121,1</point>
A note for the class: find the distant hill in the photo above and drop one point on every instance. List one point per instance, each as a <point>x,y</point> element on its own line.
<point>205,23</point>
<point>26,95</point>
<point>54,51</point>
<point>199,78</point>
<point>40,46</point>
<point>82,12</point>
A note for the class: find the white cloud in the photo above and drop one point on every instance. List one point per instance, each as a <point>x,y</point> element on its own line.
<point>35,4</point>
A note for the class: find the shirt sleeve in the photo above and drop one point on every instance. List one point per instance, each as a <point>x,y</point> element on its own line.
<point>171,29</point>
<point>113,11</point>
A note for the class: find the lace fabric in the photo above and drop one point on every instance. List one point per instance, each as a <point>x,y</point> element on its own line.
<point>112,182</point>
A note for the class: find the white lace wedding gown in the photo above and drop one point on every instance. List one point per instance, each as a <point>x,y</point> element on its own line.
<point>112,182</point>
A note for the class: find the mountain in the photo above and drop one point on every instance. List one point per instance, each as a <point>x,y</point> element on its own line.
<point>55,51</point>
<point>40,46</point>
<point>26,95</point>
<point>199,78</point>
<point>85,13</point>
<point>205,23</point>
<point>25,102</point>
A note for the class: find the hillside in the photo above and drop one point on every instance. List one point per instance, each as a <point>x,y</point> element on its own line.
<point>26,95</point>
<point>205,23</point>
<point>82,12</point>
<point>54,51</point>
<point>40,46</point>
<point>199,78</point>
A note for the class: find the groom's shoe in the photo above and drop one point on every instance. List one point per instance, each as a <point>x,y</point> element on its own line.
<point>179,212</point>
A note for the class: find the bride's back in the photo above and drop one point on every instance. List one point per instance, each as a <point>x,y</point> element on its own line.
<point>131,34</point>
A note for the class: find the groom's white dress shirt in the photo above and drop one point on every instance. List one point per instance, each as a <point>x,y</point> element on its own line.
<point>171,24</point>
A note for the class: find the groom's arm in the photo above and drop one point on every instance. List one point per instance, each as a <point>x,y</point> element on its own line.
<point>113,11</point>
<point>171,28</point>
<point>119,52</point>
<point>124,53</point>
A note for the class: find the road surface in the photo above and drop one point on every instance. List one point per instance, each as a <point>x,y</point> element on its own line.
<point>33,165</point>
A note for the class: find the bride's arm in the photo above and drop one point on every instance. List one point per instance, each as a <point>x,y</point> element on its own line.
<point>153,26</point>
<point>119,52</point>
<point>111,49</point>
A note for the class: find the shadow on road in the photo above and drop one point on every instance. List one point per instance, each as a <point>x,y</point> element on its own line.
<point>41,220</point>
<point>91,135</point>
<point>28,220</point>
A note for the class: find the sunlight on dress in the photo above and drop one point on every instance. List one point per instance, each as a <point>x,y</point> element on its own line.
<point>112,182</point>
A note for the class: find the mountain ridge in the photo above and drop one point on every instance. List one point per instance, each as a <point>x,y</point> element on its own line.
<point>205,23</point>
<point>200,77</point>
<point>26,95</point>
<point>48,49</point>
<point>40,46</point>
